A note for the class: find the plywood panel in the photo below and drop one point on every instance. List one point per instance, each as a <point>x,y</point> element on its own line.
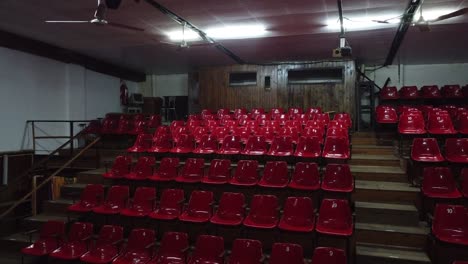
<point>215,91</point>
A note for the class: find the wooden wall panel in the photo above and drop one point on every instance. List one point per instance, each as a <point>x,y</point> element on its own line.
<point>215,91</point>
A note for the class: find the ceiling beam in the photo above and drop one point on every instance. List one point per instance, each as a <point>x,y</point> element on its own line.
<point>28,45</point>
<point>200,32</point>
<point>405,23</point>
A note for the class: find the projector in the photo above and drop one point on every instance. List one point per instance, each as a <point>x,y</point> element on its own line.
<point>342,52</point>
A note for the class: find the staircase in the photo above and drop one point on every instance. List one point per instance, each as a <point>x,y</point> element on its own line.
<point>387,221</point>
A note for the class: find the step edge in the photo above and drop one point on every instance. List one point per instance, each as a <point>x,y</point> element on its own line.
<point>392,253</point>
<point>414,230</point>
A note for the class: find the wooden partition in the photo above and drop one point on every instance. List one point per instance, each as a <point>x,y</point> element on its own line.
<point>216,92</point>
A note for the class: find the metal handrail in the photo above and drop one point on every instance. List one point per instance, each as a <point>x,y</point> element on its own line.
<point>49,178</point>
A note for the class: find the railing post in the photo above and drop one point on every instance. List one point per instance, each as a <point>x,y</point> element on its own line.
<point>33,138</point>
<point>34,195</point>
<point>71,138</point>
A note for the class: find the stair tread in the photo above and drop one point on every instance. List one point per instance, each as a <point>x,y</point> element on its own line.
<point>376,169</point>
<point>20,237</point>
<point>364,146</point>
<point>47,217</point>
<point>386,206</point>
<point>381,252</point>
<point>416,230</point>
<point>374,157</point>
<point>385,186</point>
<point>61,201</point>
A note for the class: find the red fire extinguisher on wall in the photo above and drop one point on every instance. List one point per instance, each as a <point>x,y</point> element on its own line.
<point>123,93</point>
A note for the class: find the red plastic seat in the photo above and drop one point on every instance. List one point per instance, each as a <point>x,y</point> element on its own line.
<point>299,215</point>
<point>252,125</point>
<point>231,146</point>
<point>335,218</point>
<point>93,127</point>
<point>281,146</point>
<point>173,249</point>
<point>193,124</point>
<point>463,124</point>
<point>246,251</point>
<point>282,253</point>
<point>336,148</point>
<point>50,238</point>
<point>162,143</point>
<point>243,133</point>
<point>208,145</point>
<point>308,147</point>
<point>142,143</point>
<point>328,255</point>
<point>302,118</point>
<point>438,182</point>
<point>456,150</point>
<point>109,126</point>
<point>344,118</point>
<point>176,123</point>
<point>292,132</point>
<point>212,125</point>
<point>263,212</point>
<point>338,124</point>
<point>276,111</point>
<point>230,125</point>
<point>281,118</point>
<point>231,210</point>
<point>162,130</point>
<point>409,93</point>
<point>430,92</point>
<point>411,124</point>
<point>142,203</point>
<point>184,144</point>
<point>199,132</point>
<point>317,132</point>
<point>208,250</point>
<point>139,247</point>
<point>91,196</point>
<point>294,124</point>
<point>192,171</point>
<point>138,127</point>
<point>338,178</point>
<point>464,182</point>
<point>142,170</point>
<point>275,175</point>
<point>205,112</point>
<point>124,126</point>
<point>222,112</point>
<point>256,111</point>
<point>274,124</point>
<point>452,110</point>
<point>167,170</point>
<point>453,91</point>
<point>268,132</point>
<point>440,124</point>
<point>450,224</point>
<point>154,121</point>
<point>389,93</point>
<point>323,118</point>
<point>199,208</point>
<point>77,243</point>
<point>106,247</point>
<point>256,145</point>
<point>120,168</point>
<point>386,115</point>
<point>115,202</point>
<point>219,172</point>
<point>178,131</point>
<point>305,177</point>
<point>294,111</point>
<point>337,132</point>
<point>170,205</point>
<point>242,120</point>
<point>313,110</point>
<point>426,150</point>
<point>239,112</point>
<point>246,173</point>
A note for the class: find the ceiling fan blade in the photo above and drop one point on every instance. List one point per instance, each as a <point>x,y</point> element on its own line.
<point>423,27</point>
<point>460,12</point>
<point>170,43</point>
<point>201,44</point>
<point>58,21</point>
<point>125,26</point>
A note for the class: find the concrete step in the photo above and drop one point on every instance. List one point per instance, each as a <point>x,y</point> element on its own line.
<point>72,191</point>
<point>372,141</point>
<point>374,160</point>
<point>379,173</point>
<point>93,176</point>
<point>373,149</point>
<point>374,254</point>
<point>392,235</point>
<point>58,206</point>
<point>36,222</point>
<point>387,214</point>
<point>385,192</point>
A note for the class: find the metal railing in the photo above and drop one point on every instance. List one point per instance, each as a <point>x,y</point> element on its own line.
<point>33,192</point>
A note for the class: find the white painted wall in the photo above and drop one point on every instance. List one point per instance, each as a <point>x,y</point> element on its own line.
<point>33,87</point>
<point>420,75</point>
<point>170,85</point>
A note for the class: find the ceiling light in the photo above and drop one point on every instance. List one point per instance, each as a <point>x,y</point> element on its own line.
<point>189,35</point>
<point>363,23</point>
<point>237,32</point>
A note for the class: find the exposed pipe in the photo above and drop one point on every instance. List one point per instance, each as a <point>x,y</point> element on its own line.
<point>201,33</point>
<point>340,13</point>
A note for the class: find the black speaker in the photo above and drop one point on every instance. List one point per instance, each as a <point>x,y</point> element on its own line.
<point>113,4</point>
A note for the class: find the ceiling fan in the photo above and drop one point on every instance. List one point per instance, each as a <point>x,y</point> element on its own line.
<point>183,43</point>
<point>99,19</point>
<point>423,24</point>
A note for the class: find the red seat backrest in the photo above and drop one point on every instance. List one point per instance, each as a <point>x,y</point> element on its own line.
<point>220,168</point>
<point>328,255</point>
<point>168,167</point>
<point>144,198</point>
<point>299,211</point>
<point>246,171</point>
<point>282,253</point>
<point>264,208</point>
<point>306,174</point>
<point>276,172</point>
<point>246,251</point>
<point>335,213</point>
<point>338,176</point>
<point>231,205</point>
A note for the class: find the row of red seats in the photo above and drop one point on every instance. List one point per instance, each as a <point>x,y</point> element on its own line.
<point>336,177</point>
<point>140,247</point>
<point>427,150</point>
<point>426,92</point>
<point>435,121</point>
<point>123,124</point>
<point>254,112</point>
<point>335,147</point>
<point>334,217</point>
<point>439,183</point>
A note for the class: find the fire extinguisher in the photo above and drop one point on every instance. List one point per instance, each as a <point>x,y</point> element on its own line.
<point>123,93</point>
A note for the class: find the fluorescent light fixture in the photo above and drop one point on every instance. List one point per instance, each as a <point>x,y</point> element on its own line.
<point>225,32</point>
<point>363,23</point>
<point>237,32</point>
